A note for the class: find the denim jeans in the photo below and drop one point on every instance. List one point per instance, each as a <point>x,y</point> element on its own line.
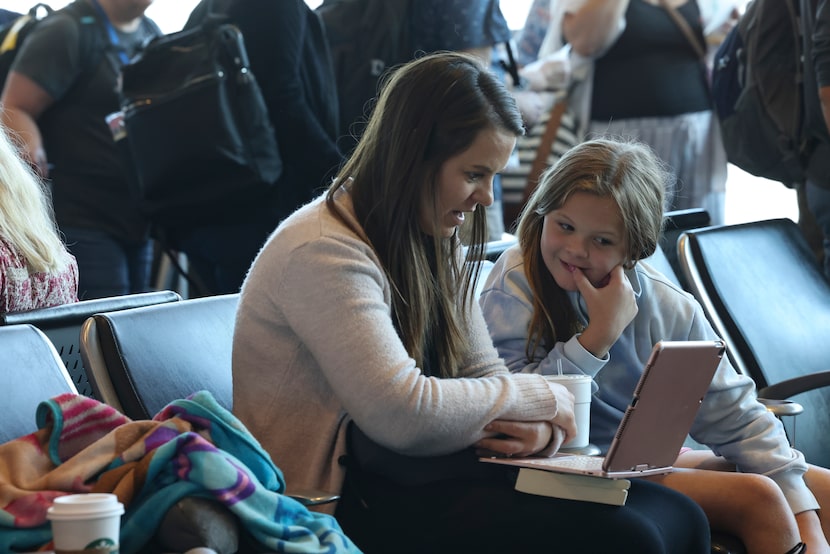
<point>818,200</point>
<point>108,266</point>
<point>219,256</point>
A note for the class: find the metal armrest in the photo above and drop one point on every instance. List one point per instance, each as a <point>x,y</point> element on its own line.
<point>796,385</point>
<point>781,408</point>
<point>312,497</point>
<point>774,396</point>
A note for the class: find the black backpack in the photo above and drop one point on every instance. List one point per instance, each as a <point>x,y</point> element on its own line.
<point>758,90</point>
<point>196,131</point>
<point>14,33</point>
<point>7,16</point>
<point>366,38</point>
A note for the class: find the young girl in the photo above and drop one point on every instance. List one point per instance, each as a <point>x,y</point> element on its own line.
<point>572,292</point>
<point>363,365</point>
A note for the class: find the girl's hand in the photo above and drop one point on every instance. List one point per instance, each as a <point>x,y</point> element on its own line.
<point>611,307</point>
<point>519,438</point>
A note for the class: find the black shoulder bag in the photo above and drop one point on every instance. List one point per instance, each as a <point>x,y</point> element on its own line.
<point>197,129</point>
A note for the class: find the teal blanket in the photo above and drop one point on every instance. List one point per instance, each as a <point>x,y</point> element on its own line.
<point>193,447</point>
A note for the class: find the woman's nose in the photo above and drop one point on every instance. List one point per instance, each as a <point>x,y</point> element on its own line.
<point>484,193</point>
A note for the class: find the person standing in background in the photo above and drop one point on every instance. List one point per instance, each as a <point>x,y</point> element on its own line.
<point>815,195</point>
<point>289,57</point>
<point>36,270</point>
<point>530,36</point>
<point>55,102</point>
<point>649,82</point>
<point>473,27</point>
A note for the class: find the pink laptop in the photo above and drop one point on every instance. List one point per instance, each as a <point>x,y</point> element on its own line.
<point>656,422</point>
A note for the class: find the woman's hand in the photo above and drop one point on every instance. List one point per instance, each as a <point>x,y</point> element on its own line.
<point>531,104</point>
<point>595,26</point>
<point>611,306</point>
<point>565,418</point>
<point>519,438</point>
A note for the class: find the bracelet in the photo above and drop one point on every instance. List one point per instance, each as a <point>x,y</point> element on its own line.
<point>800,548</point>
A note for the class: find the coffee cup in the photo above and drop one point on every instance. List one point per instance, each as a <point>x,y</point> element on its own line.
<point>580,387</point>
<point>86,523</point>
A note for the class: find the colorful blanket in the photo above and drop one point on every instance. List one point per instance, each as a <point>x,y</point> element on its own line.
<point>192,447</point>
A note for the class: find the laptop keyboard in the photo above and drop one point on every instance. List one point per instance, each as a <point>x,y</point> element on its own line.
<point>578,462</point>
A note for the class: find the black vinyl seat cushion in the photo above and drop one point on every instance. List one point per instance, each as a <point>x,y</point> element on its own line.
<point>33,373</point>
<point>764,291</point>
<point>62,325</point>
<point>157,354</point>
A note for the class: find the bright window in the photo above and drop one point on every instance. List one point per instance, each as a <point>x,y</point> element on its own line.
<point>170,15</point>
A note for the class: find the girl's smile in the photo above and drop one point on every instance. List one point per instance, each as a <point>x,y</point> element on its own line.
<point>585,233</point>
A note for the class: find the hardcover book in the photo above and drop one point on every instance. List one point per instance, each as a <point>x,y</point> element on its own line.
<point>573,487</point>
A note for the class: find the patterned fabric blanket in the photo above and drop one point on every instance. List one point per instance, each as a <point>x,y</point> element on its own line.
<point>193,447</point>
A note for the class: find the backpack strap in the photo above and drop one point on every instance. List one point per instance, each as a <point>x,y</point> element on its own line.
<point>112,34</point>
<point>90,34</point>
<point>684,27</point>
<point>511,67</point>
<point>540,162</point>
<point>12,29</point>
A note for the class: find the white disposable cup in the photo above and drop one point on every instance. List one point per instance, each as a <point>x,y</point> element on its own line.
<point>580,387</point>
<point>86,522</point>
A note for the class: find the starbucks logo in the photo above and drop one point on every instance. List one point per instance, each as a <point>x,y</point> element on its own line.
<point>103,545</point>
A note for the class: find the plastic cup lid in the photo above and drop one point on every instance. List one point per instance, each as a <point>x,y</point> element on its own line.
<point>83,506</point>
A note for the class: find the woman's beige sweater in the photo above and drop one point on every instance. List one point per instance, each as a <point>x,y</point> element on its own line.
<point>315,345</point>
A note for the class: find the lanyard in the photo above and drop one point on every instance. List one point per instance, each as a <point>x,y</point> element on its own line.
<point>113,35</point>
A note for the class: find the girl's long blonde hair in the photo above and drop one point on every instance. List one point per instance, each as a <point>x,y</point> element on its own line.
<point>26,218</point>
<point>626,171</point>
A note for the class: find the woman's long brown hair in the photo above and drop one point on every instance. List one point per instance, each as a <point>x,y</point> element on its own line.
<point>429,111</point>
